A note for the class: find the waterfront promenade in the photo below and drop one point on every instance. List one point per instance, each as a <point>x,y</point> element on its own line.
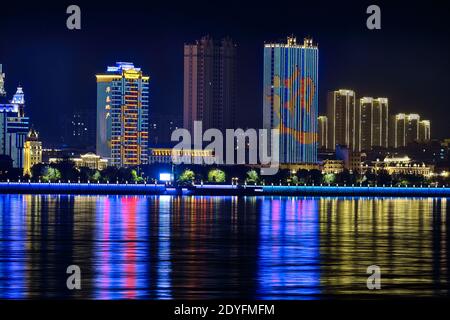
<point>218,190</point>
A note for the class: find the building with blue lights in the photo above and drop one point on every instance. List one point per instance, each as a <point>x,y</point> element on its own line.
<point>122,115</point>
<point>14,127</point>
<point>291,98</point>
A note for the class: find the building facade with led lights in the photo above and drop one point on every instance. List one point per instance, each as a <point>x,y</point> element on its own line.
<point>342,123</point>
<point>88,160</point>
<point>412,127</point>
<point>210,84</point>
<point>2,82</point>
<point>32,152</point>
<point>424,131</point>
<point>122,115</point>
<point>14,127</point>
<point>372,120</point>
<point>290,101</point>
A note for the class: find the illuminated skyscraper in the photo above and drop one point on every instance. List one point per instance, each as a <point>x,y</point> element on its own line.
<point>210,84</point>
<point>374,126</point>
<point>122,115</point>
<point>366,123</point>
<point>424,131</point>
<point>291,98</point>
<point>32,152</point>
<point>342,119</point>
<point>380,122</point>
<point>81,128</point>
<point>14,128</point>
<point>323,132</point>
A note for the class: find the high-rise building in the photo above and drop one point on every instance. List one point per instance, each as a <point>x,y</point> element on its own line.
<point>424,131</point>
<point>291,98</point>
<point>210,84</point>
<point>14,128</point>
<point>32,152</point>
<point>81,129</point>
<point>2,82</point>
<point>122,115</point>
<point>161,127</point>
<point>342,119</point>
<point>366,123</point>
<point>323,131</point>
<point>412,127</point>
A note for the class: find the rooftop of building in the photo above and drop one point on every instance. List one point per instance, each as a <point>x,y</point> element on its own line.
<point>121,68</point>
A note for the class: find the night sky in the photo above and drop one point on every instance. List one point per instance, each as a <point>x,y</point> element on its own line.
<point>406,61</point>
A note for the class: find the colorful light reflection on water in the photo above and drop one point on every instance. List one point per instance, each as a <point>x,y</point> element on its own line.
<point>168,247</point>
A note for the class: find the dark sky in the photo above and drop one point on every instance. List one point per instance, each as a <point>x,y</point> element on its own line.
<point>406,61</point>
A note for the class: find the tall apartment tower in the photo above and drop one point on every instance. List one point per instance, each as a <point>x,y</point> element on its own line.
<point>122,115</point>
<point>32,152</point>
<point>398,130</point>
<point>412,127</point>
<point>290,102</point>
<point>323,132</point>
<point>210,84</point>
<point>14,128</point>
<point>424,131</point>
<point>342,119</point>
<point>2,82</point>
<point>366,123</point>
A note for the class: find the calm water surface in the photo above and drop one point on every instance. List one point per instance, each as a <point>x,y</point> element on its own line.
<point>164,247</point>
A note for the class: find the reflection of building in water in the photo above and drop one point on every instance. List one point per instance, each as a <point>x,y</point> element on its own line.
<point>169,155</point>
<point>390,233</point>
<point>213,250</point>
<point>400,165</point>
